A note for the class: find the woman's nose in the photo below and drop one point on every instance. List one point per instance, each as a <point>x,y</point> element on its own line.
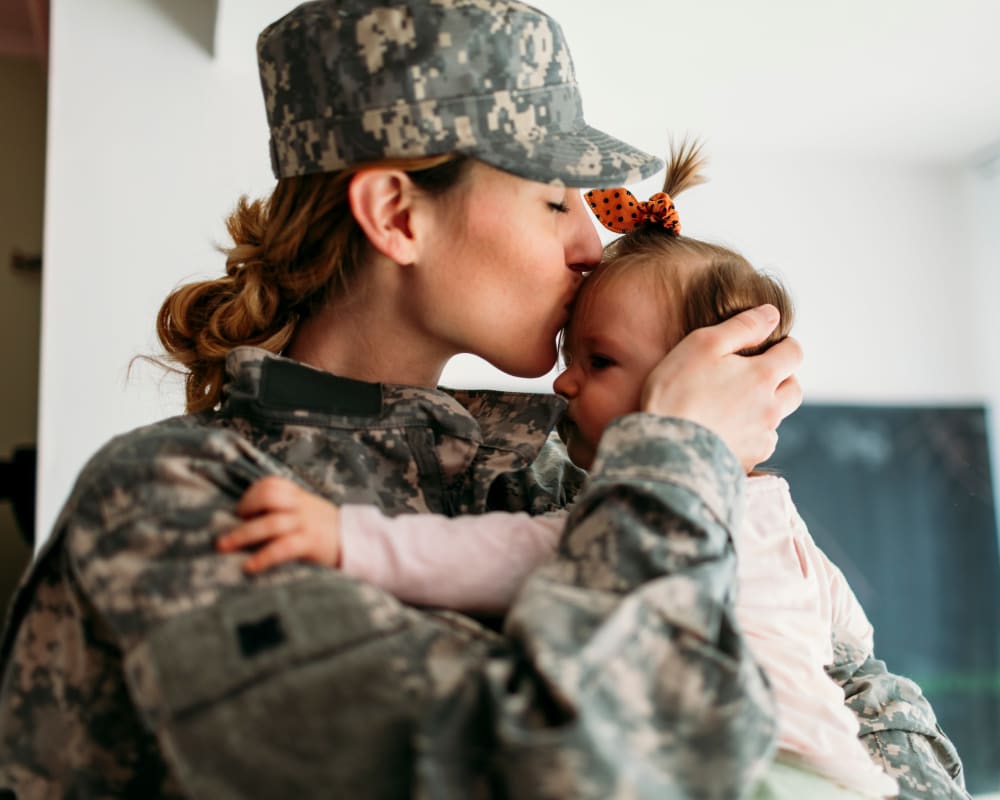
<point>583,245</point>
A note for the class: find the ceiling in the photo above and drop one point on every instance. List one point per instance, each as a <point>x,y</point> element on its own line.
<point>24,29</point>
<point>891,79</point>
<point>914,80</point>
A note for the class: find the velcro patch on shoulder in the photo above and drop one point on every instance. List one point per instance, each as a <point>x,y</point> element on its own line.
<point>289,386</point>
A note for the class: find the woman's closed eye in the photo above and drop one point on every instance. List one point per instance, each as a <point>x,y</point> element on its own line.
<point>560,207</point>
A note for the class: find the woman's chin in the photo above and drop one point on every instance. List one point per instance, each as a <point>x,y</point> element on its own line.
<point>522,367</point>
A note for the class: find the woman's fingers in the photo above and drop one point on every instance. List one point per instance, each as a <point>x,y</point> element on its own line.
<point>788,395</point>
<point>746,329</point>
<point>780,360</point>
<point>759,450</point>
<point>742,398</point>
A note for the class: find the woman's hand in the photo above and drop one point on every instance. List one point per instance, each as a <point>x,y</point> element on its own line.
<point>741,398</point>
<point>288,523</point>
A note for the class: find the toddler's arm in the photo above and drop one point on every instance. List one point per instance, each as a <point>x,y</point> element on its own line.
<point>471,563</point>
<point>897,724</point>
<point>847,616</point>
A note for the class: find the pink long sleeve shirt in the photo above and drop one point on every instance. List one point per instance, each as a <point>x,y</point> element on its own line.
<point>790,600</point>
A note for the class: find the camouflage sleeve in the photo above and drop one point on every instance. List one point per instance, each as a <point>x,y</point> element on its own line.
<point>638,669</point>
<point>898,725</point>
<point>68,725</point>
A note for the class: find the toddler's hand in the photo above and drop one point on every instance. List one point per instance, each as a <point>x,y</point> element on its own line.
<point>291,524</point>
<point>741,398</point>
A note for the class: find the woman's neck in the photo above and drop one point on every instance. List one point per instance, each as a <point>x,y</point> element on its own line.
<point>368,339</point>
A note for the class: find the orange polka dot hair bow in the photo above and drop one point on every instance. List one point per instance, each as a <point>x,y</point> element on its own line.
<point>619,211</point>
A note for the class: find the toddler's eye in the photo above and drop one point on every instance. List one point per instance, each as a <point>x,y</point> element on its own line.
<point>560,208</point>
<point>599,362</point>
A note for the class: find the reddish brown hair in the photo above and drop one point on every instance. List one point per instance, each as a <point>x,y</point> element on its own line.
<point>291,253</point>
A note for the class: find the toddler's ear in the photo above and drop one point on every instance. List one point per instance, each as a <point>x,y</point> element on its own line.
<point>382,203</point>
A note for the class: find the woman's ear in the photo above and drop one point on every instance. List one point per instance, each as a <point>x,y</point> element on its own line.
<point>382,203</point>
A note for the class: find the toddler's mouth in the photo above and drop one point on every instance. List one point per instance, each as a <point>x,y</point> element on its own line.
<point>565,428</point>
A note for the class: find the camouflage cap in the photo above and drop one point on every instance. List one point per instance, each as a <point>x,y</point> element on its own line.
<point>347,81</point>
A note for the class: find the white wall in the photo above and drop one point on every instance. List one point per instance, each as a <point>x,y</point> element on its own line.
<point>982,204</point>
<point>877,258</point>
<point>151,140</point>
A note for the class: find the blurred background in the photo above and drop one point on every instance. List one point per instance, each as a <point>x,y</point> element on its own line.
<point>854,151</point>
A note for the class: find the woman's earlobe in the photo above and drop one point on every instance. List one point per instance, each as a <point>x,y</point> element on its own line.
<point>382,204</point>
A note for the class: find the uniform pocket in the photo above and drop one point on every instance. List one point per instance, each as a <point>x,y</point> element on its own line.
<point>298,690</point>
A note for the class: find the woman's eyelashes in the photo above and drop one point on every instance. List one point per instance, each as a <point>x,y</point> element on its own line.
<point>559,207</point>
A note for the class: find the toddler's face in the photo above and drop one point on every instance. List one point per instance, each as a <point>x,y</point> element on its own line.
<point>611,345</point>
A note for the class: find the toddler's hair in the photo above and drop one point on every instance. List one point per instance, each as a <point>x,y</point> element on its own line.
<point>701,283</point>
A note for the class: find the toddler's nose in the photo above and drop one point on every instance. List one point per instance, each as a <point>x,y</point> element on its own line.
<point>565,383</point>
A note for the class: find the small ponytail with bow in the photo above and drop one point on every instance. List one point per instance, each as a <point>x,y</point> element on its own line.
<point>618,209</point>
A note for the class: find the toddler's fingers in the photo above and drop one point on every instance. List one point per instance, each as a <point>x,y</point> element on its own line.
<point>257,530</point>
<point>280,551</point>
<point>268,494</point>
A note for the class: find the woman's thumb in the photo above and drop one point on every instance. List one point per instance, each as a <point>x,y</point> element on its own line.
<point>748,328</point>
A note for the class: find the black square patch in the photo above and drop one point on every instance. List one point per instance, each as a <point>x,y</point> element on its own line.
<point>264,634</point>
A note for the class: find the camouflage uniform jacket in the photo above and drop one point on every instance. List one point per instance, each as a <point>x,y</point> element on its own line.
<point>139,662</point>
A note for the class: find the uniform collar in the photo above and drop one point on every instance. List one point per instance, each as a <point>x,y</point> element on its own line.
<point>262,385</point>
